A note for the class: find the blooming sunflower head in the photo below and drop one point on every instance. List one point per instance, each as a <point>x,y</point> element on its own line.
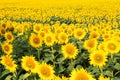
<point>69,51</point>
<point>9,36</point>
<point>45,71</point>
<point>69,32</point>
<point>112,46</point>
<point>103,78</point>
<point>7,48</point>
<point>29,63</point>
<point>8,62</point>
<point>98,58</point>
<point>79,33</point>
<point>49,39</point>
<point>90,44</point>
<point>94,34</point>
<point>81,74</point>
<point>35,40</point>
<point>63,38</point>
<point>37,28</point>
<point>2,31</point>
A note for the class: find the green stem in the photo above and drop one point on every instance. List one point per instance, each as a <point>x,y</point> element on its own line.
<point>38,54</point>
<point>101,70</point>
<point>112,59</point>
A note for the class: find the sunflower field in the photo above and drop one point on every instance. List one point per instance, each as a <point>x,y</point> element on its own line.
<point>60,40</point>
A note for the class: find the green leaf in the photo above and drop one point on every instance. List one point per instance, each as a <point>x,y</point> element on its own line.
<point>116,78</point>
<point>4,73</point>
<point>108,73</point>
<point>8,77</point>
<point>117,66</point>
<point>79,66</point>
<point>24,76</point>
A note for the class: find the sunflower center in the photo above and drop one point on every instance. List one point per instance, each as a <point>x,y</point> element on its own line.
<point>95,35</point>
<point>79,33</point>
<point>9,37</point>
<point>45,72</point>
<point>3,31</point>
<point>36,40</point>
<point>70,50</point>
<point>20,30</point>
<point>49,39</point>
<point>112,46</point>
<point>91,44</point>
<point>81,76</point>
<point>63,37</point>
<point>30,64</point>
<point>8,62</point>
<point>6,48</point>
<point>98,58</point>
<point>37,28</point>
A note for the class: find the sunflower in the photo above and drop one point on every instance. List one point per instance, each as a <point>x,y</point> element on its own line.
<point>63,38</point>
<point>64,78</point>
<point>8,63</point>
<point>56,78</point>
<point>29,63</point>
<point>42,33</point>
<point>35,40</point>
<point>90,44</point>
<point>112,46</point>
<point>79,33</point>
<point>2,31</point>
<point>7,48</point>
<point>106,37</point>
<point>37,28</point>
<point>58,30</point>
<point>45,71</point>
<point>94,34</point>
<point>98,58</point>
<point>69,51</point>
<point>69,32</point>
<point>81,74</point>
<point>49,39</point>
<point>103,78</point>
<point>20,30</point>
<point>9,36</point>
<point>101,47</point>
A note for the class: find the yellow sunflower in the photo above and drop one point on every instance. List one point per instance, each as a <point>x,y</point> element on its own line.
<point>37,28</point>
<point>20,30</point>
<point>101,47</point>
<point>49,39</point>
<point>35,40</point>
<point>98,58</point>
<point>94,34</point>
<point>9,36</point>
<point>112,46</point>
<point>63,38</point>
<point>7,48</point>
<point>79,33</point>
<point>69,32</point>
<point>8,63</point>
<point>45,71</point>
<point>69,51</point>
<point>106,37</point>
<point>81,74</point>
<point>90,44</point>
<point>2,31</point>
<point>42,33</point>
<point>29,63</point>
<point>64,78</point>
<point>103,78</point>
